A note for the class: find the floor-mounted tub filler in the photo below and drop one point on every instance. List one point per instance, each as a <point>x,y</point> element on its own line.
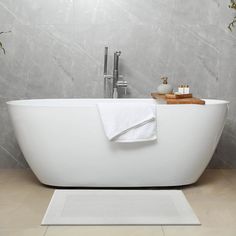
<point>64,143</point>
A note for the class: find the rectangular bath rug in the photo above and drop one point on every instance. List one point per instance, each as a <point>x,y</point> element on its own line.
<point>119,207</point>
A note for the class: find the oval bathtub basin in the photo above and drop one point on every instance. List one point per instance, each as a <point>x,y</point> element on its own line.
<point>64,143</point>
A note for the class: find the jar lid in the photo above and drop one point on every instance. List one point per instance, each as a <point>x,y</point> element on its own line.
<point>165,80</point>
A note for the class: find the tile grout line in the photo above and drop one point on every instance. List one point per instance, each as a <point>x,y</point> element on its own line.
<point>163,231</point>
<point>6,151</point>
<point>11,13</point>
<point>45,233</point>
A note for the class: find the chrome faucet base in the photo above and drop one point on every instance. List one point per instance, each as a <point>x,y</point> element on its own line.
<point>108,86</point>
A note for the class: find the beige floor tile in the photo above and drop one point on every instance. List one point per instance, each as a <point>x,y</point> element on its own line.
<point>39,231</point>
<point>197,231</point>
<point>216,214</point>
<point>230,175</point>
<point>212,185</point>
<point>105,231</point>
<point>213,198</point>
<point>17,176</point>
<point>27,212</point>
<point>16,184</point>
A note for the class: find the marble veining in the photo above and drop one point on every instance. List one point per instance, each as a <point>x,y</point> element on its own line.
<point>55,50</point>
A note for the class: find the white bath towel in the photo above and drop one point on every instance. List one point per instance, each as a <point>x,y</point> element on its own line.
<point>128,122</point>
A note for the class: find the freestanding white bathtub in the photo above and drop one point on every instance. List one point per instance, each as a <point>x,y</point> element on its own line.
<point>64,143</point>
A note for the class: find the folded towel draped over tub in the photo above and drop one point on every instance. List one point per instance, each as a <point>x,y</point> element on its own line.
<point>128,122</point>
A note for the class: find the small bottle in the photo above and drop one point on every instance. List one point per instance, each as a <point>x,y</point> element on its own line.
<point>186,89</point>
<point>181,89</point>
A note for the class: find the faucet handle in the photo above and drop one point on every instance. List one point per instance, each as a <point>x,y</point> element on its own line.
<point>122,84</point>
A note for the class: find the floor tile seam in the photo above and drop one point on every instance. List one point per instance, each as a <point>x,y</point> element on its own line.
<point>163,231</point>
<point>45,232</point>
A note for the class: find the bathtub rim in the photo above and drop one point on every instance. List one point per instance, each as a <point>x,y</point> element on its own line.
<point>73,102</point>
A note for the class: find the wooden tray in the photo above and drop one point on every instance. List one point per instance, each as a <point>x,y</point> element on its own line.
<point>174,96</point>
<point>191,100</point>
<point>186,101</point>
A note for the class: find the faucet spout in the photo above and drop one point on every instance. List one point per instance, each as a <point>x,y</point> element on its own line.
<point>116,68</point>
<point>116,60</point>
<point>105,60</point>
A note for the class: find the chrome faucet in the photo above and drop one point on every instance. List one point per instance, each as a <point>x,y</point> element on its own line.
<point>113,84</point>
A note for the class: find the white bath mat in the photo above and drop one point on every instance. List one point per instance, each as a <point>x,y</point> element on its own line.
<point>119,207</point>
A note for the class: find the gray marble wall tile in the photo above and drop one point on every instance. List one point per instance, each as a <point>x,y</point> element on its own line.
<point>55,50</point>
<point>29,12</point>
